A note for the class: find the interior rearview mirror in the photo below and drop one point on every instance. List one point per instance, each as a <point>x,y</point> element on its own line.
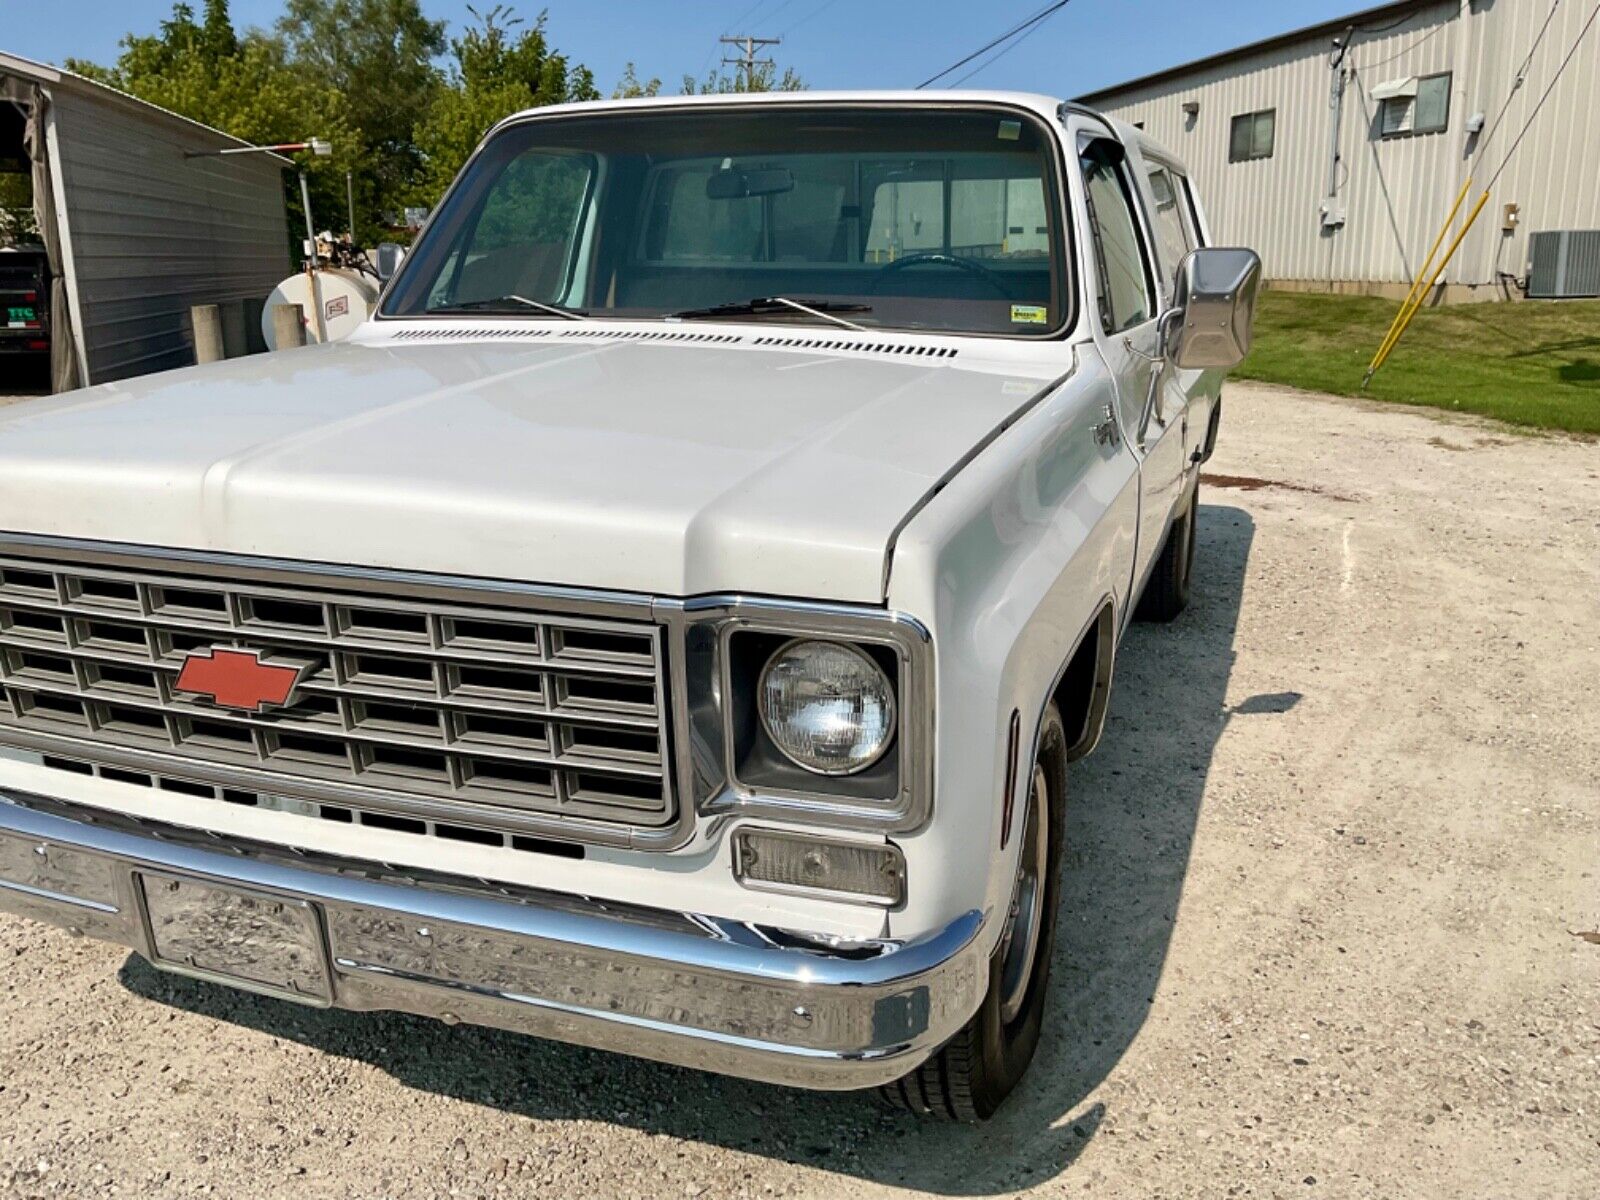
<point>1213,308</point>
<point>732,183</point>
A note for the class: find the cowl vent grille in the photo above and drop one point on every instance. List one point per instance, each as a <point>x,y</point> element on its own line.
<point>500,333</point>
<point>497,333</point>
<point>648,335</point>
<point>898,349</point>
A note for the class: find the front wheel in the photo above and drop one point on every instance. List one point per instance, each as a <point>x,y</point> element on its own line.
<point>972,1074</point>
<point>1167,593</point>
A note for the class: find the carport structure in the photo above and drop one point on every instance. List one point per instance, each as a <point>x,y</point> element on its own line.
<point>136,232</point>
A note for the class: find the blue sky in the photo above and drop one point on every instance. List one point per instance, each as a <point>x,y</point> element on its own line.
<point>832,43</point>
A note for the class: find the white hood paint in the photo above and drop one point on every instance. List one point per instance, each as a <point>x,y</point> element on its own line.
<point>629,465</point>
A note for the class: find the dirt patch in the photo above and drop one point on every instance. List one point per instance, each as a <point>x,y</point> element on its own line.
<point>1251,483</point>
<point>1483,443</point>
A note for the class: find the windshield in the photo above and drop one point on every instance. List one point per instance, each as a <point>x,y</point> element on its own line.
<point>911,218</point>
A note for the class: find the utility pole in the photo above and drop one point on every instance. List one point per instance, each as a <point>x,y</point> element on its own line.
<point>748,62</point>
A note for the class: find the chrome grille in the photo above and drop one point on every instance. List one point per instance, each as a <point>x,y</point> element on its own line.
<point>487,713</point>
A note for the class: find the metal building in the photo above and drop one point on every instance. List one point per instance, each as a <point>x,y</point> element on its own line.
<point>137,233</point>
<point>1336,150</point>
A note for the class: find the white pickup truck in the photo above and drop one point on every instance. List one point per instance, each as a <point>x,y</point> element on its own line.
<point>666,625</point>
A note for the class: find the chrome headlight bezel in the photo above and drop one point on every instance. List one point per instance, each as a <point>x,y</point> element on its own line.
<point>728,771</point>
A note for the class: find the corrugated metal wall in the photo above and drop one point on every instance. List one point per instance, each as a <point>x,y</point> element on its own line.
<point>153,233</point>
<point>1555,175</point>
<point>1394,191</point>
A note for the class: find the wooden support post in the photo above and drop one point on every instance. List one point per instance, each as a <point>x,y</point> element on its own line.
<point>288,326</point>
<point>207,321</point>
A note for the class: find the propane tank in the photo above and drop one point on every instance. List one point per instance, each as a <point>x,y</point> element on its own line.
<point>344,298</point>
<point>335,297</point>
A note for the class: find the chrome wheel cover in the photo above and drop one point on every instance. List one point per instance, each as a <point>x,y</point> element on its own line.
<point>1019,947</point>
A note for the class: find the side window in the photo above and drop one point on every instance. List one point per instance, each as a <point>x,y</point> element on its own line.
<point>1251,135</point>
<point>1174,238</point>
<point>526,232</point>
<point>1124,268</point>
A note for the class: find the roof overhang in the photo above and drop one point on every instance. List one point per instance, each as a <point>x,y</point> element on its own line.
<point>54,77</point>
<point>1330,28</point>
<point>1395,88</point>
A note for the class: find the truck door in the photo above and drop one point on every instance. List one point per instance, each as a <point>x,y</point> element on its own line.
<point>1128,301</point>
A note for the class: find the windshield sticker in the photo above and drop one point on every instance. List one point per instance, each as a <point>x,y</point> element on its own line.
<point>1010,131</point>
<point>1029,314</point>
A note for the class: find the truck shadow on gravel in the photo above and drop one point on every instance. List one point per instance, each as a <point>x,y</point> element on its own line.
<point>1133,809</point>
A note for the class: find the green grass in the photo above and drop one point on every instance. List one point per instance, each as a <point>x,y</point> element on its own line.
<point>1533,363</point>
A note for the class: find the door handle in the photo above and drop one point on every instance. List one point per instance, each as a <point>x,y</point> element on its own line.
<point>1106,433</point>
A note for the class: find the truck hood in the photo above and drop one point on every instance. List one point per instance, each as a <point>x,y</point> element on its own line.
<point>635,465</point>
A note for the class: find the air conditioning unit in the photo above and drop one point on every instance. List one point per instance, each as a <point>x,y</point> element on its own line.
<point>1563,264</point>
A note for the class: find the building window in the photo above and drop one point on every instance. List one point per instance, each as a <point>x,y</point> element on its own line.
<point>1420,104</point>
<point>1251,135</point>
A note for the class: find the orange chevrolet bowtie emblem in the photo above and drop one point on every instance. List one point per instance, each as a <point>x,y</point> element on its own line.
<point>239,679</point>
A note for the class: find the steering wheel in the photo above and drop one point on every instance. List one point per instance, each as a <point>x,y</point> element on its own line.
<point>970,265</point>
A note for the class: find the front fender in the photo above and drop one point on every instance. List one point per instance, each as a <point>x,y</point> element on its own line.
<point>1008,565</point>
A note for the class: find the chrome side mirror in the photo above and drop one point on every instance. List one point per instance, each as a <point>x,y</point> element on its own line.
<point>390,255</point>
<point>1213,309</point>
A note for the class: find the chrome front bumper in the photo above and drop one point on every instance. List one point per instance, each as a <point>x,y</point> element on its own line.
<point>684,989</point>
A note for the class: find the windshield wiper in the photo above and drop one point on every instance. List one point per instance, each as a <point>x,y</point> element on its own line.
<point>761,305</point>
<point>504,302</point>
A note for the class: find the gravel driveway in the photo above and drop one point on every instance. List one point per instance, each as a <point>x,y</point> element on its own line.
<point>1329,925</point>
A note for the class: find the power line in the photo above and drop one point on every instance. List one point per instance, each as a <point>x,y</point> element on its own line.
<point>740,20</point>
<point>817,11</point>
<point>773,15</point>
<point>1395,24</point>
<point>747,14</point>
<point>1409,46</point>
<point>748,62</point>
<point>1526,125</point>
<point>999,54</point>
<point>1028,24</point>
<point>1517,82</point>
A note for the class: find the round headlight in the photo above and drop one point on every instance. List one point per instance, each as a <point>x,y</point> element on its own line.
<point>827,706</point>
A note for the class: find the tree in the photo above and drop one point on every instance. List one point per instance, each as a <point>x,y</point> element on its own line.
<point>217,36</point>
<point>763,77</point>
<point>244,86</point>
<point>378,54</point>
<point>16,206</point>
<point>631,87</point>
<point>498,70</point>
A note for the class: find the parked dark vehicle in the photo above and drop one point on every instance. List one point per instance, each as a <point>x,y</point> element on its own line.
<point>24,302</point>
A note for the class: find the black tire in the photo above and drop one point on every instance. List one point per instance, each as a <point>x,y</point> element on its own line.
<point>969,1077</point>
<point>1167,592</point>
